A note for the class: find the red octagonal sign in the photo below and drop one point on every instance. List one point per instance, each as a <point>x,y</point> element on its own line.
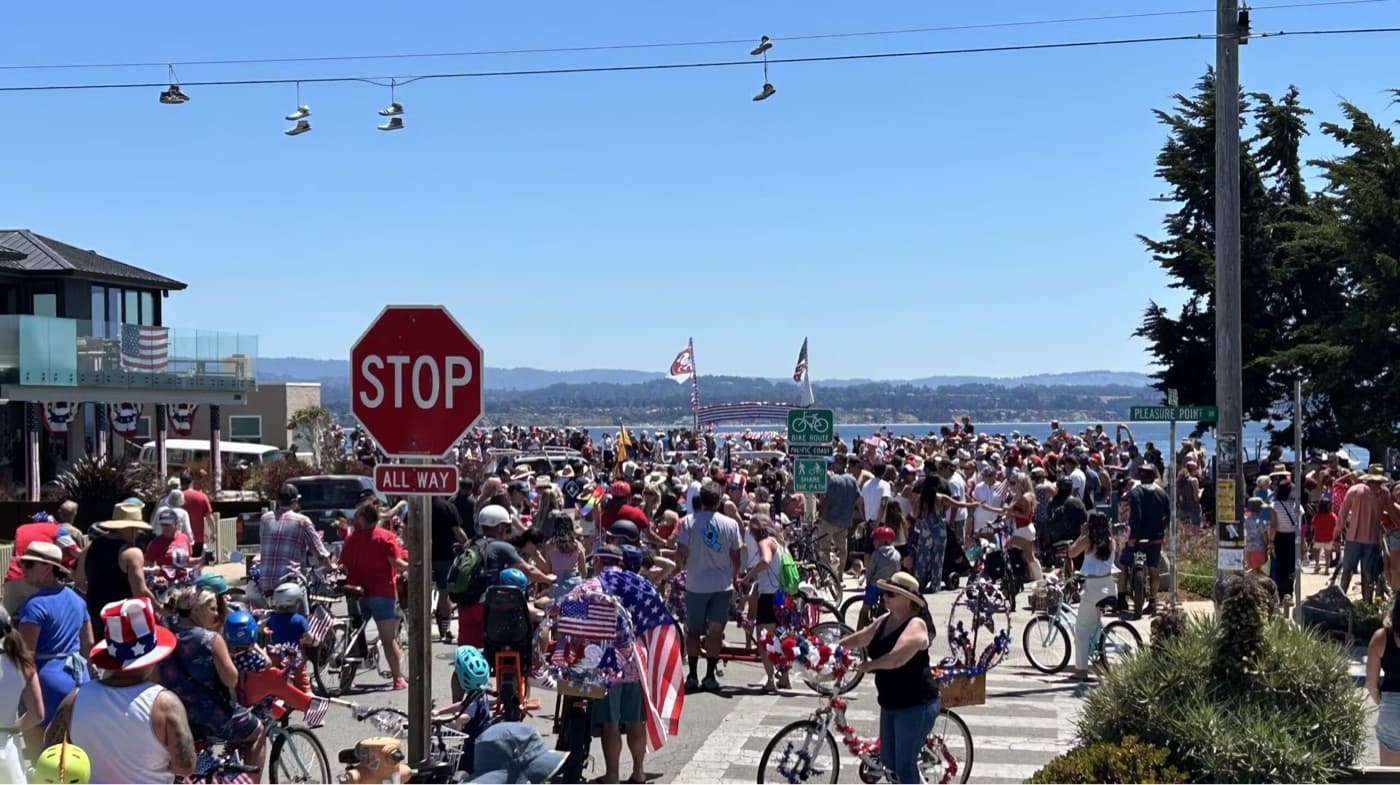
<point>415,380</point>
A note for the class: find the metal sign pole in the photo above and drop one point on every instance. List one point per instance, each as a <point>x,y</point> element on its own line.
<point>1171,485</point>
<point>420,654</point>
<point>1299,512</point>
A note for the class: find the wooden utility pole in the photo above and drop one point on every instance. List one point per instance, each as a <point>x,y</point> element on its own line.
<point>1228,333</point>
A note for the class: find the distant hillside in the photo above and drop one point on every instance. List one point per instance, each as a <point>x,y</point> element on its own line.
<point>336,374</point>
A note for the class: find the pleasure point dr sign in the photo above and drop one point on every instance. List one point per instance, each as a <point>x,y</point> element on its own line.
<point>415,380</point>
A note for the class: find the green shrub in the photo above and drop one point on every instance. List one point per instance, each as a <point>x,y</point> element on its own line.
<point>100,484</point>
<point>1168,625</point>
<point>1297,717</point>
<point>1127,761</point>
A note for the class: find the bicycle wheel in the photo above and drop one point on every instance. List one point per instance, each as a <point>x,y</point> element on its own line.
<point>830,633</point>
<point>947,754</point>
<point>349,666</point>
<point>324,660</point>
<point>856,601</point>
<point>1046,643</point>
<point>297,756</point>
<point>831,582</point>
<point>801,759</point>
<point>1119,641</point>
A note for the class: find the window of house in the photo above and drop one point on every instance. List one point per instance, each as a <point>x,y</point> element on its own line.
<point>148,308</point>
<point>114,312</point>
<point>99,311</point>
<point>131,307</point>
<point>143,429</point>
<point>245,428</point>
<point>46,304</point>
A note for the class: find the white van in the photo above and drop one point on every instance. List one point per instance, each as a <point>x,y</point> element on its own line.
<point>180,453</point>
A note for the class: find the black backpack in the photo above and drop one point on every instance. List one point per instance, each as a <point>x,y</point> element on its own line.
<point>507,623</point>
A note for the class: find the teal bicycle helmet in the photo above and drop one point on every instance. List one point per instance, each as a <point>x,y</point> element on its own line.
<point>471,667</point>
<point>213,582</point>
<point>513,577</point>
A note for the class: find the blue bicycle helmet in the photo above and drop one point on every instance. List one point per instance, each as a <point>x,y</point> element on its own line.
<point>241,629</point>
<point>473,672</point>
<point>513,577</point>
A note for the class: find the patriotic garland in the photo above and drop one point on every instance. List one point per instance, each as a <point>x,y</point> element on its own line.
<point>990,612</point>
<point>181,418</point>
<point>125,418</point>
<point>58,415</point>
<point>807,652</point>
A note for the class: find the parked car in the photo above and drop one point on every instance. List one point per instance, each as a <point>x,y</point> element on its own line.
<point>325,499</point>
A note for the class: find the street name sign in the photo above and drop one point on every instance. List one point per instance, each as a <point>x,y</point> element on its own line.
<point>415,381</point>
<point>415,479</point>
<point>1174,413</point>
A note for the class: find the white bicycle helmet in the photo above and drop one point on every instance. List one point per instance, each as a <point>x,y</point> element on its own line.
<point>288,596</point>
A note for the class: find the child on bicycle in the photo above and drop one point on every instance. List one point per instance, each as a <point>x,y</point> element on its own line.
<point>259,677</point>
<point>472,714</point>
<point>884,562</point>
<point>286,626</point>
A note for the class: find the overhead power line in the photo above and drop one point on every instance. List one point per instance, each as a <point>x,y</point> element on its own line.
<point>403,80</point>
<point>676,44</point>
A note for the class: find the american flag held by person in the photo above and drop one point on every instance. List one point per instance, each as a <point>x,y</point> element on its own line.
<point>659,650</point>
<point>145,348</point>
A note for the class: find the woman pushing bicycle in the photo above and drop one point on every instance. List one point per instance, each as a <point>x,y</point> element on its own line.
<point>896,647</point>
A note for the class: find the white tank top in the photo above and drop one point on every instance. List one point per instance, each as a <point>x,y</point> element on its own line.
<point>1094,567</point>
<point>113,726</point>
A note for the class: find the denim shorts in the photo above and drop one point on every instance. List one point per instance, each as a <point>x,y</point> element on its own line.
<point>1364,556</point>
<point>624,704</point>
<point>1388,721</point>
<point>378,608</point>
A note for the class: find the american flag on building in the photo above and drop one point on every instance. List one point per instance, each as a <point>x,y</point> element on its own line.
<point>145,348</point>
<point>660,653</point>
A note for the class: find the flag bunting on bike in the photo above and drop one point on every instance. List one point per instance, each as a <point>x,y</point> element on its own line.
<point>807,651</point>
<point>659,650</point>
<point>319,624</point>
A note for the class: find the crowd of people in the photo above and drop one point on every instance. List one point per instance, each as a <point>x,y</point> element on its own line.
<point>87,643</point>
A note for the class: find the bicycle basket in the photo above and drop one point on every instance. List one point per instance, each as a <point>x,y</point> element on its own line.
<point>1046,596</point>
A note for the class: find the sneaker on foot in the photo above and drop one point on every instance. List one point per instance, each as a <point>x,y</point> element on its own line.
<point>710,684</point>
<point>691,684</point>
<point>400,684</point>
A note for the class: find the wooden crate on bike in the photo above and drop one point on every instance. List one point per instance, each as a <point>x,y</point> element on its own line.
<point>963,691</point>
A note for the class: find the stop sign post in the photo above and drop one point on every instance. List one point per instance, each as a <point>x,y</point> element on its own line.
<point>415,386</point>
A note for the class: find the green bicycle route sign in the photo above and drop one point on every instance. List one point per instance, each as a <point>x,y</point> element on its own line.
<point>809,432</point>
<point>1174,414</point>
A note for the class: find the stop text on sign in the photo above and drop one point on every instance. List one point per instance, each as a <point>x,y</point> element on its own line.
<point>428,383</point>
<point>403,479</point>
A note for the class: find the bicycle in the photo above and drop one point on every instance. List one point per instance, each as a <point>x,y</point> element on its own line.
<point>322,588</point>
<point>446,747</point>
<point>1137,574</point>
<point>353,648</point>
<point>1051,632</point>
<point>801,761</point>
<point>1001,563</point>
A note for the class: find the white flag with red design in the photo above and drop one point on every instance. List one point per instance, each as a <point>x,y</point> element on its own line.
<point>684,364</point>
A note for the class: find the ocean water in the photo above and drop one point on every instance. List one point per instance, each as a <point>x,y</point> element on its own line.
<point>1255,437</point>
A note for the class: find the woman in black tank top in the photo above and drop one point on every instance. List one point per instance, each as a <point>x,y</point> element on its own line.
<point>1383,683</point>
<point>105,577</point>
<point>896,647</point>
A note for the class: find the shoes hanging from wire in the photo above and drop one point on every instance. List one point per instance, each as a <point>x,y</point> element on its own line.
<point>764,44</point>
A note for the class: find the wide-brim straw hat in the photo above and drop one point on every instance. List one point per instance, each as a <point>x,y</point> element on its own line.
<point>125,516</point>
<point>1374,473</point>
<point>904,584</point>
<point>44,553</point>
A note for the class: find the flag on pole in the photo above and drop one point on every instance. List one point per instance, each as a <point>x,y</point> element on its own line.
<point>659,651</point>
<point>800,371</point>
<point>624,443</point>
<point>684,364</point>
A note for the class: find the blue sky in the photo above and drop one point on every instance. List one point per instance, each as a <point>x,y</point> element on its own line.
<point>912,216</point>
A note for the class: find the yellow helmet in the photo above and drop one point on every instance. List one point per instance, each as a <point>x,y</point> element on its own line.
<point>63,763</point>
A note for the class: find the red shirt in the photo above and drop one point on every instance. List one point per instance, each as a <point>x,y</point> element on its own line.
<point>24,535</point>
<point>365,555</point>
<point>626,512</point>
<point>1324,525</point>
<point>198,507</point>
<point>159,550</point>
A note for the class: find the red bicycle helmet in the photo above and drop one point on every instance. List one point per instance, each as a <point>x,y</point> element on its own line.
<point>882,533</point>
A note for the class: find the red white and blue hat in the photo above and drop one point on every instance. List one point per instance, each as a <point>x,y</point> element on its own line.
<point>134,639</point>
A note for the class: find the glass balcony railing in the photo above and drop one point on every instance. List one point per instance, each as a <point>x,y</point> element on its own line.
<point>42,351</point>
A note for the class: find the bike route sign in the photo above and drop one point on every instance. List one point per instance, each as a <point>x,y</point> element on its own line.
<point>809,475</point>
<point>809,434</point>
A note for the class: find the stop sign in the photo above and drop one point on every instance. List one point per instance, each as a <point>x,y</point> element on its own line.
<point>415,380</point>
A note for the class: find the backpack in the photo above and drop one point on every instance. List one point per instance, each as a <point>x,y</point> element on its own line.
<point>506,622</point>
<point>789,580</point>
<point>468,578</point>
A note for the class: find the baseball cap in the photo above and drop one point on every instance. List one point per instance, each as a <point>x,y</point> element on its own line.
<point>620,489</point>
<point>288,494</point>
